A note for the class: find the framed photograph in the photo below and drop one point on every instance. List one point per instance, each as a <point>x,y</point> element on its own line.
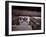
<point>24,18</point>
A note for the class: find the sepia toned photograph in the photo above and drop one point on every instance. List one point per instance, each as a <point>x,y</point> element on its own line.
<point>24,18</point>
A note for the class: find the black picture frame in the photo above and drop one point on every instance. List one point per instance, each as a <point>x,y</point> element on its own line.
<point>7,18</point>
